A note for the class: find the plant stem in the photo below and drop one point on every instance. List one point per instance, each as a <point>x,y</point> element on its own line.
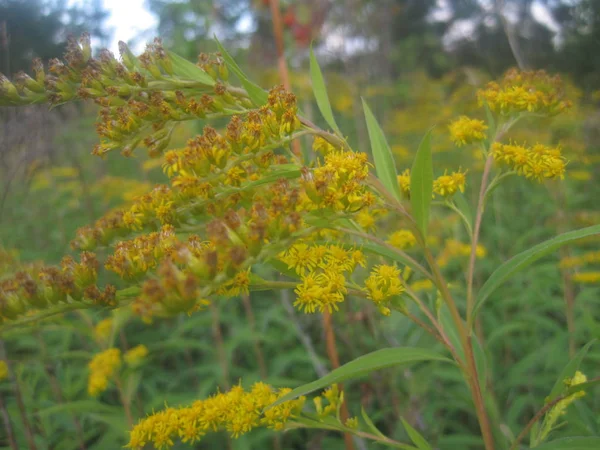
<point>475,239</point>
<point>7,425</point>
<point>218,337</point>
<point>262,367</point>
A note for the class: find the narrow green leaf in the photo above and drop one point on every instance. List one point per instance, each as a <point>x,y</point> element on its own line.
<point>257,95</point>
<point>370,425</point>
<point>188,70</point>
<point>384,161</point>
<point>421,184</point>
<point>363,365</point>
<point>526,258</point>
<point>569,370</point>
<point>573,443</point>
<point>320,91</point>
<point>415,436</point>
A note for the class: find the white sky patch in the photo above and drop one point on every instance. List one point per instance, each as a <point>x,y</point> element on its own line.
<point>129,21</point>
<point>543,16</point>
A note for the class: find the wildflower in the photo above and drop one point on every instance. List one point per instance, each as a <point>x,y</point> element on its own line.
<point>352,422</point>
<point>300,257</point>
<point>102,368</point>
<point>404,182</point>
<point>454,249</point>
<point>103,329</point>
<point>465,131</point>
<point>421,285</point>
<point>586,277</point>
<point>448,185</point>
<point>402,239</point>
<point>134,356</point>
<point>382,284</point>
<point>322,146</point>
<point>538,163</point>
<point>3,370</point>
<point>560,408</point>
<point>329,401</point>
<point>237,411</point>
<point>534,92</point>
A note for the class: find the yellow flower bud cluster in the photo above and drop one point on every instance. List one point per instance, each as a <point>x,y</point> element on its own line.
<point>339,182</point>
<point>323,270</point>
<point>236,411</point>
<point>537,163</point>
<point>518,92</point>
<point>580,260</point>
<point>103,368</point>
<point>136,355</point>
<point>329,402</point>
<point>448,185</point>
<point>402,239</point>
<point>590,277</point>
<point>454,249</point>
<point>465,130</point>
<point>38,287</point>
<point>103,330</point>
<point>384,283</point>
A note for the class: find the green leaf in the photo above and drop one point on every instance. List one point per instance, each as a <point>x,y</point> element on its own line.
<point>573,443</point>
<point>490,121</point>
<point>363,365</point>
<point>526,258</point>
<point>569,371</point>
<point>370,425</point>
<point>188,70</point>
<point>257,95</point>
<point>384,161</point>
<point>318,84</point>
<point>421,184</point>
<point>415,436</point>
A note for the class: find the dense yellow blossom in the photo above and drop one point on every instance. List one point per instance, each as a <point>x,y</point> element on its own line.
<point>448,185</point>
<point>103,329</point>
<point>102,369</point>
<point>328,403</point>
<point>404,182</point>
<point>134,356</point>
<point>3,370</point>
<point>586,277</point>
<point>538,162</point>
<point>383,283</point>
<point>237,411</point>
<point>402,239</point>
<point>534,92</point>
<point>465,131</point>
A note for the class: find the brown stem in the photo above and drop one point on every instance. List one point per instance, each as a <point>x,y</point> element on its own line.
<point>8,425</point>
<point>29,436</point>
<point>262,367</point>
<point>465,339</point>
<point>281,63</point>
<point>218,337</point>
<point>334,358</point>
<point>475,238</point>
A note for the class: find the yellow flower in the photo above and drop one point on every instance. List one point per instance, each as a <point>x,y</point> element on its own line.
<point>404,182</point>
<point>587,277</point>
<point>465,131</point>
<point>421,285</point>
<point>133,357</point>
<point>103,329</point>
<point>102,368</point>
<point>448,185</point>
<point>383,283</point>
<point>402,239</point>
<point>237,411</point>
<point>538,162</point>
<point>3,370</point>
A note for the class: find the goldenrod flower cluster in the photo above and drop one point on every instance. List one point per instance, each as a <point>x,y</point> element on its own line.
<point>580,260</point>
<point>329,402</point>
<point>455,249</point>
<point>518,92</point>
<point>36,286</point>
<point>103,330</point>
<point>402,239</point>
<point>136,355</point>
<point>465,130</point>
<point>537,163</point>
<point>448,185</point>
<point>383,283</point>
<point>3,370</point>
<point>560,408</point>
<point>323,270</point>
<point>590,277</point>
<point>404,182</point>
<point>102,368</point>
<point>237,411</point>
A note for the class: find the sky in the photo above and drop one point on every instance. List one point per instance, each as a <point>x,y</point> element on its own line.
<point>128,19</point>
